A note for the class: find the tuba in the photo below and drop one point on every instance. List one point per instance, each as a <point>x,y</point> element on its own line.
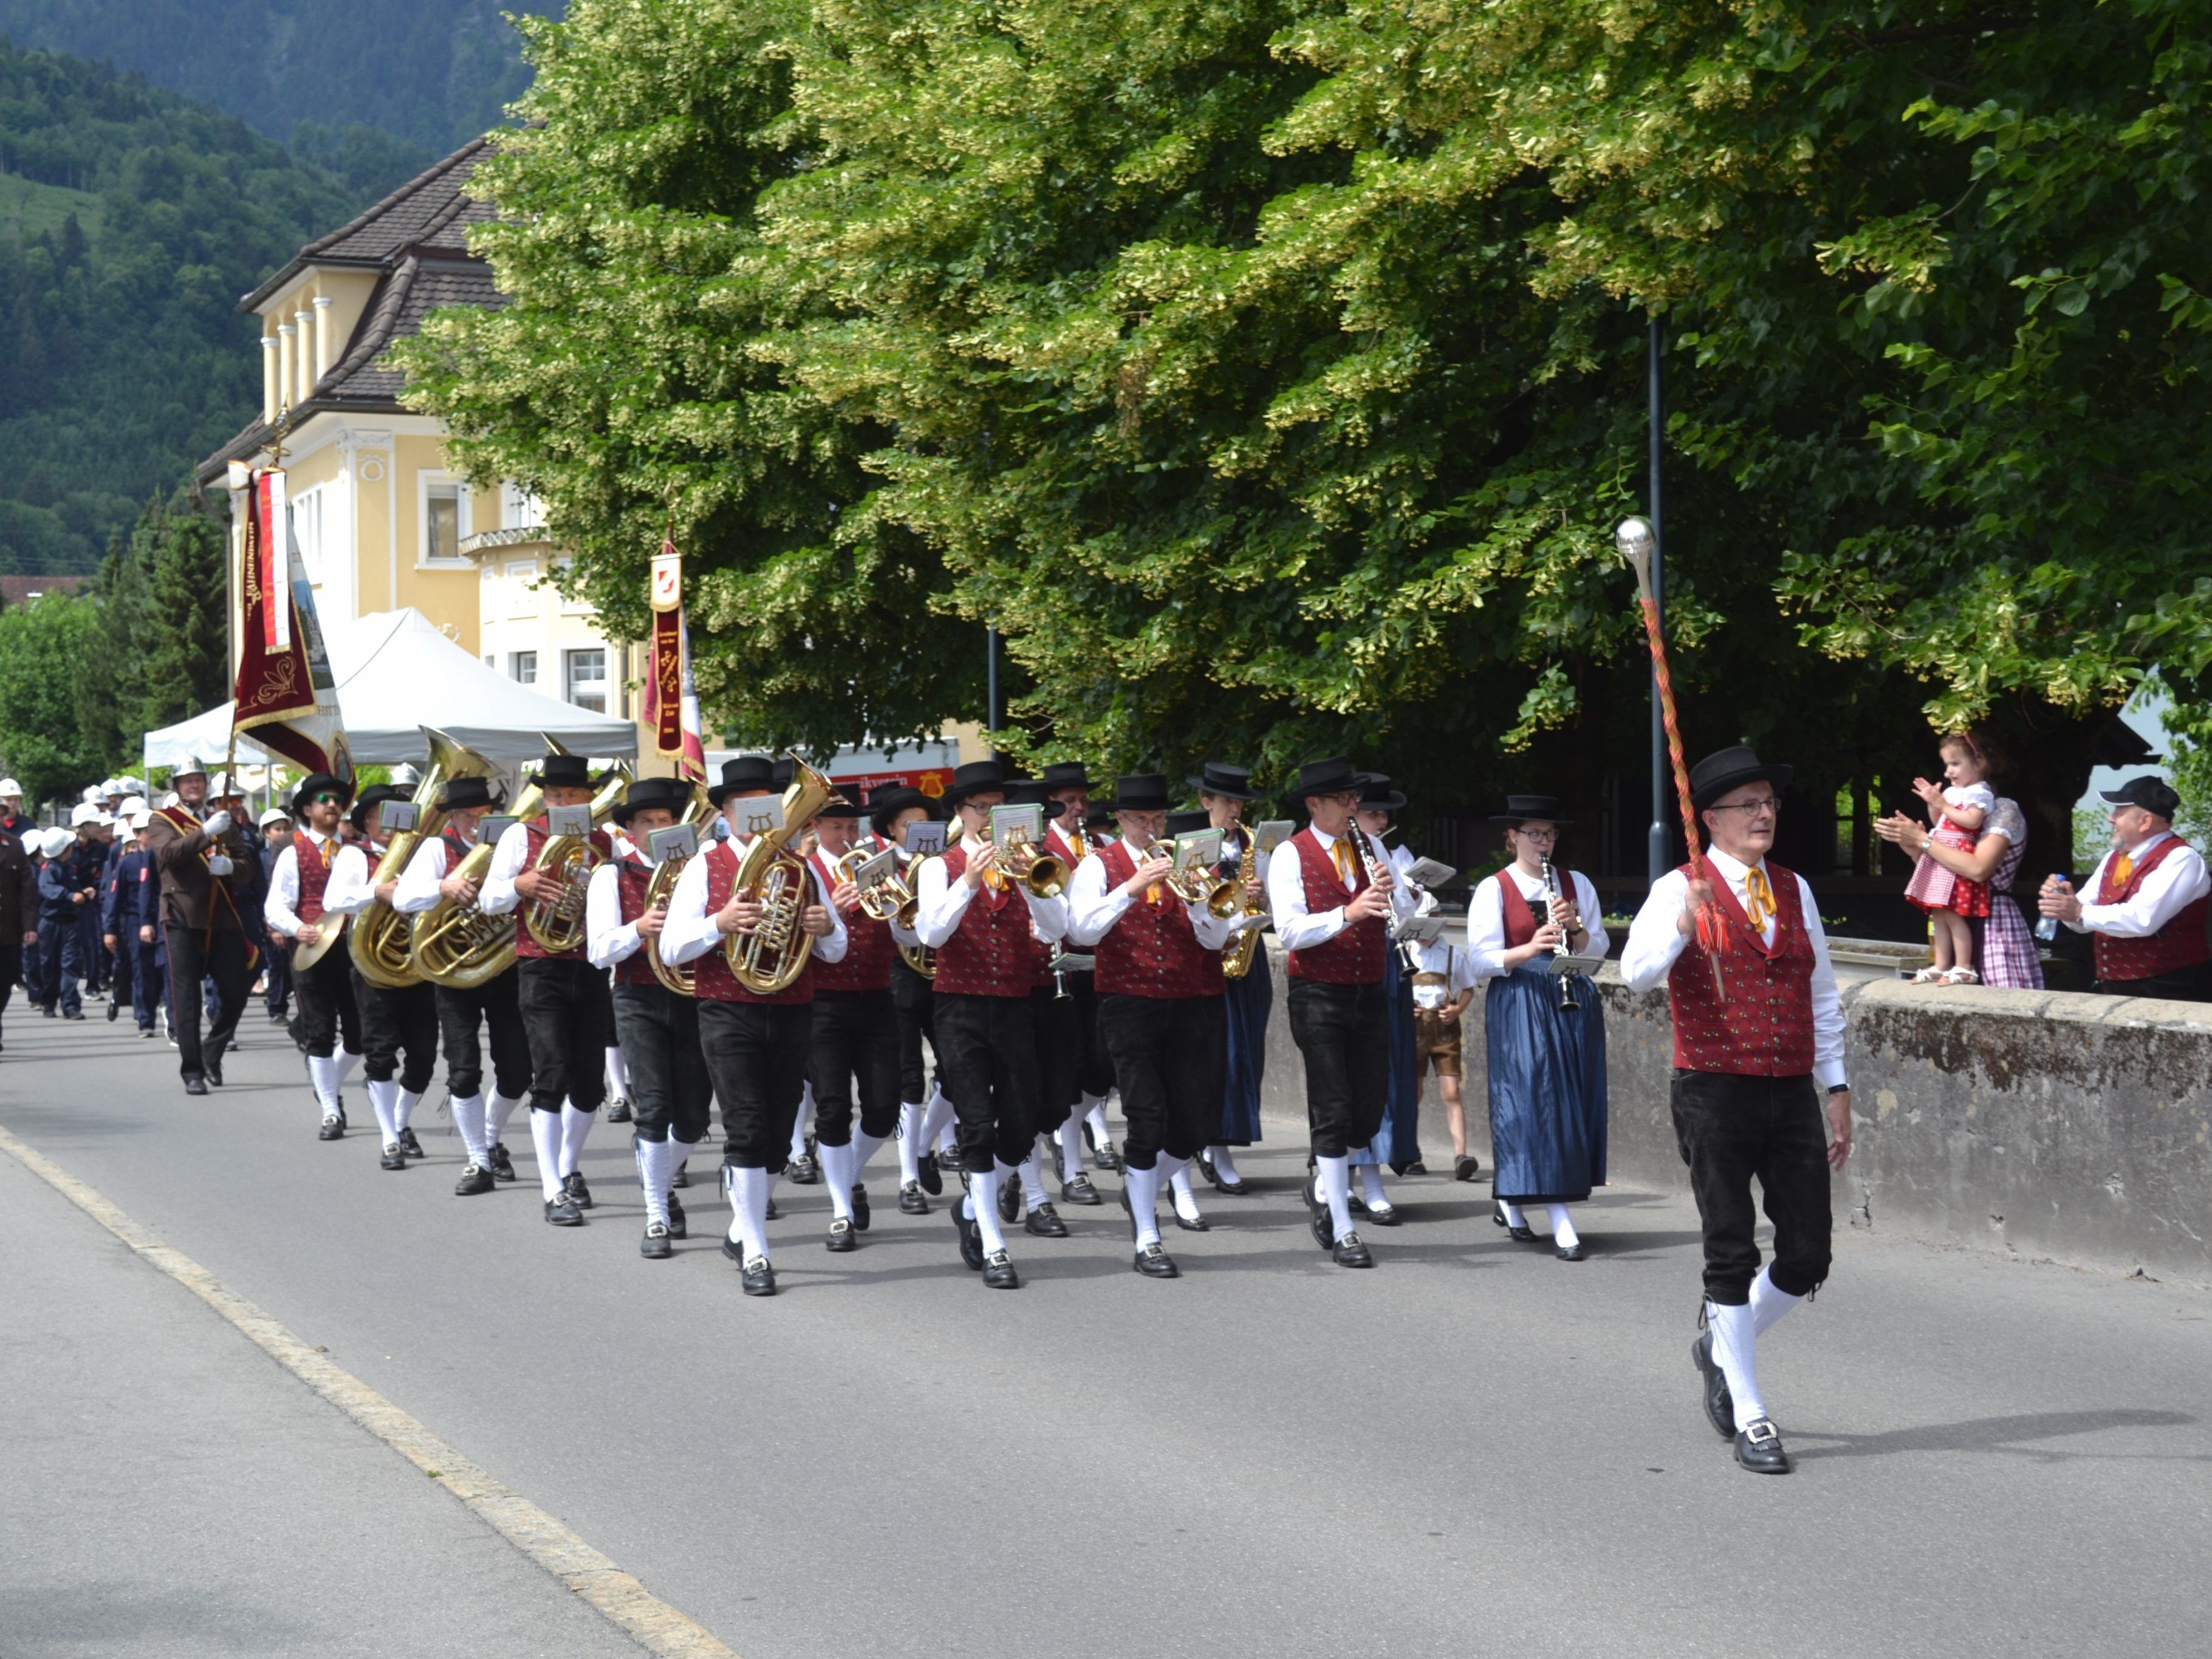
<point>457,945</point>
<point>558,923</point>
<point>675,977</point>
<point>771,956</point>
<point>1237,959</point>
<point>378,939</point>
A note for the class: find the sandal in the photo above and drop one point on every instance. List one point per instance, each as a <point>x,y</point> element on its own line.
<point>1962,976</point>
<point>1928,976</point>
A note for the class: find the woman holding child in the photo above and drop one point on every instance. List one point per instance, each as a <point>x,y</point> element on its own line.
<point>1964,877</point>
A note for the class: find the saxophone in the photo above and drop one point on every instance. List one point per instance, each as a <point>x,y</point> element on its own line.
<point>1238,957</point>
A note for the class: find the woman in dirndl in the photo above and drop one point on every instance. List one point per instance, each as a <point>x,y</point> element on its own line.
<point>1548,1103</point>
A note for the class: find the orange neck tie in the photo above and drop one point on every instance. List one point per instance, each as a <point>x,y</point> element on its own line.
<point>2123,867</point>
<point>1758,899</point>
<point>1075,840</point>
<point>1343,851</point>
<point>328,846</point>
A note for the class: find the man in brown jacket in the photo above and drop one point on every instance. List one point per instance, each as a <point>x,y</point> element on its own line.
<point>19,912</point>
<point>198,862</point>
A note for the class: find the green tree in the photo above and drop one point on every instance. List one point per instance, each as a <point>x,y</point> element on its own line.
<point>40,644</point>
<point>187,646</point>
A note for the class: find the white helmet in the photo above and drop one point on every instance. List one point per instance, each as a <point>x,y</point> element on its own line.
<point>133,786</point>
<point>94,793</point>
<point>138,817</point>
<point>404,773</point>
<point>83,813</point>
<point>130,805</point>
<point>223,784</point>
<point>11,789</point>
<point>59,841</point>
<point>274,815</point>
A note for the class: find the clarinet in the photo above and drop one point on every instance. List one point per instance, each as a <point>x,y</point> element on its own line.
<point>1552,892</point>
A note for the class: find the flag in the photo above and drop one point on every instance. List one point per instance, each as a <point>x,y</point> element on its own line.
<point>285,694</point>
<point>671,696</point>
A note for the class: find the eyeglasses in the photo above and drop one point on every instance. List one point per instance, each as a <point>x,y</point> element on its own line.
<point>1537,834</point>
<point>325,800</point>
<point>1764,804</point>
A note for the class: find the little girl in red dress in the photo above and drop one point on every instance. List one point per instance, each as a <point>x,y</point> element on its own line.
<point>1958,813</point>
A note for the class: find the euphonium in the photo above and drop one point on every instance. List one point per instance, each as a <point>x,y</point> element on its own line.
<point>1238,956</point>
<point>378,939</point>
<point>770,957</point>
<point>676,977</point>
<point>457,945</point>
<point>557,922</point>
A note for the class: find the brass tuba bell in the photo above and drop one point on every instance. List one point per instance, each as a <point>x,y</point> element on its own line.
<point>770,959</point>
<point>379,939</point>
<point>558,923</point>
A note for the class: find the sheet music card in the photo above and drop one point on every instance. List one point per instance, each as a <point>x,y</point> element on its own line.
<point>399,817</point>
<point>492,826</point>
<point>1197,849</point>
<point>672,840</point>
<point>925,838</point>
<point>755,816</point>
<point>872,873</point>
<point>1428,873</point>
<point>568,821</point>
<point>1271,834</point>
<point>1009,823</point>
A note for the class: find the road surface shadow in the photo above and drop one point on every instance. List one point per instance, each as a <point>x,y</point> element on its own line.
<point>2003,1434</point>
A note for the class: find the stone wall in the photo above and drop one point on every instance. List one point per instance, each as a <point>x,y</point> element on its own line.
<point>2044,1124</point>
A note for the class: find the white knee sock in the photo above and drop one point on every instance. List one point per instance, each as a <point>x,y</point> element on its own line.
<point>1370,1185</point>
<point>806,1115</point>
<point>497,1110</point>
<point>679,1158</point>
<point>1513,1216</point>
<point>383,1097</point>
<point>656,1163</point>
<point>323,1074</point>
<point>1562,1227</point>
<point>748,1204</point>
<point>469,1119</point>
<point>1767,1303</point>
<point>545,1136</point>
<point>1336,1190</point>
<point>865,1147</point>
<point>1033,1193</point>
<point>1186,1202</point>
<point>1223,1165</point>
<point>574,1127</point>
<point>1735,1350</point>
<point>1094,1114</point>
<point>909,1143</point>
<point>982,1203</point>
<point>837,1176</point>
<point>1143,1186</point>
<point>1071,1148</point>
<point>404,1113</point>
<point>347,1061</point>
<point>617,1073</point>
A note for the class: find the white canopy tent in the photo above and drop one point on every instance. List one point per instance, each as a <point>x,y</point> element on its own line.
<point>396,674</point>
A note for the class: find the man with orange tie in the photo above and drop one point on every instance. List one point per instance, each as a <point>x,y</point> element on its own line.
<point>1067,785</point>
<point>2148,895</point>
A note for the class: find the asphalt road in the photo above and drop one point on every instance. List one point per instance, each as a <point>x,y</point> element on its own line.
<point>1473,1448</point>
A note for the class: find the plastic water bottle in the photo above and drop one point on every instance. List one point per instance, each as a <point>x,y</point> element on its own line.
<point>2047,928</point>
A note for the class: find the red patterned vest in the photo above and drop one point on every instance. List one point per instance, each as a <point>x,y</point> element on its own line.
<point>314,878</point>
<point>1355,955</point>
<point>2180,943</point>
<point>1519,917</point>
<point>524,944</point>
<point>458,847</point>
<point>992,953</point>
<point>631,879</point>
<point>710,975</point>
<point>1152,950</point>
<point>1764,1029</point>
<point>869,947</point>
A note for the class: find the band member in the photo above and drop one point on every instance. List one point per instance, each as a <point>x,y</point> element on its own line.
<point>1333,903</point>
<point>1759,1036</point>
<point>566,1008</point>
<point>1398,1142</point>
<point>1161,1002</point>
<point>68,884</point>
<point>394,1020</point>
<point>434,873</point>
<point>982,921</point>
<point>1056,1023</point>
<point>298,894</point>
<point>1068,837</point>
<point>1224,792</point>
<point>2149,899</point>
<point>659,1027</point>
<point>855,1048</point>
<point>1548,1102</point>
<point>923,1109</point>
<point>755,1042</point>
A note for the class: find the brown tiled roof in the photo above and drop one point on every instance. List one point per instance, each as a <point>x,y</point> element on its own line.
<point>14,590</point>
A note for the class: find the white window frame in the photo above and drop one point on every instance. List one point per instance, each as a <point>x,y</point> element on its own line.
<point>309,518</point>
<point>569,682</point>
<point>427,480</point>
<point>518,508</point>
<point>514,666</point>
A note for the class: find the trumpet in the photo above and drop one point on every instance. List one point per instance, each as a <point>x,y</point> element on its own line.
<point>675,976</point>
<point>557,922</point>
<point>770,957</point>
<point>378,940</point>
<point>1043,873</point>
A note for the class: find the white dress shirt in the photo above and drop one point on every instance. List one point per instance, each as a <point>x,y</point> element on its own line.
<point>418,888</point>
<point>1460,970</point>
<point>608,939</point>
<point>509,859</point>
<point>1299,929</point>
<point>940,903</point>
<point>1093,908</point>
<point>281,908</point>
<point>690,933</point>
<point>2178,883</point>
<point>348,891</point>
<point>1656,941</point>
<point>1486,918</point>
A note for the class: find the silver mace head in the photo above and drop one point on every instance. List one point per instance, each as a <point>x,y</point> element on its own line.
<point>1636,541</point>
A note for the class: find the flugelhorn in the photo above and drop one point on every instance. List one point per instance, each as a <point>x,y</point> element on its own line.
<point>1043,873</point>
<point>770,957</point>
<point>557,923</point>
<point>379,939</point>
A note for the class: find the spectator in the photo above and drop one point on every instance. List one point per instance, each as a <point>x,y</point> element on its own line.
<point>2151,897</point>
<point>2004,947</point>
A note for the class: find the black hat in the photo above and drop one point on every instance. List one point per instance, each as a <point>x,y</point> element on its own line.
<point>669,794</point>
<point>1184,823</point>
<point>2151,792</point>
<point>784,773</point>
<point>461,793</point>
<point>563,771</point>
<point>314,784</point>
<point>1333,776</point>
<point>1522,809</point>
<point>1066,775</point>
<point>743,774</point>
<point>1229,782</point>
<point>975,778</point>
<point>1375,794</point>
<point>1031,792</point>
<point>887,800</point>
<point>1099,815</point>
<point>375,795</point>
<point>1731,768</point>
<point>839,805</point>
<point>1141,791</point>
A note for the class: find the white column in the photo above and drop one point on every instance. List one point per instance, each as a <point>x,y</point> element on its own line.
<point>322,335</point>
<point>288,361</point>
<point>305,320</point>
<point>269,381</point>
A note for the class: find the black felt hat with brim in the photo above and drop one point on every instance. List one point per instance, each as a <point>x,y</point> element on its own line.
<point>649,794</point>
<point>1229,782</point>
<point>462,793</point>
<point>1529,809</point>
<point>1375,794</point>
<point>1731,768</point>
<point>1031,792</point>
<point>563,771</point>
<point>1141,791</point>
<point>887,800</point>
<point>1187,822</point>
<point>744,774</point>
<point>1066,775</point>
<point>375,796</point>
<point>1335,776</point>
<point>982,777</point>
<point>319,783</point>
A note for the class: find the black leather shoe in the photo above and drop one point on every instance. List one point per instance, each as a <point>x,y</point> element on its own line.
<point>804,1171</point>
<point>503,1166</point>
<point>395,1156</point>
<point>1154,1262</point>
<point>1324,1225</point>
<point>198,1085</point>
<point>113,1009</point>
<point>678,1226</point>
<point>682,1177</point>
<point>1351,1253</point>
<point>927,1172</point>
<point>562,1213</point>
<point>475,1179</point>
<point>618,1110</point>
<point>1720,1409</point>
<point>841,1237</point>
<point>576,1191</point>
<point>1414,1166</point>
<point>211,1063</point>
<point>78,1013</point>
<point>971,1239</point>
<point>1109,1158</point>
<point>1574,1252</point>
<point>1759,1448</point>
<point>1044,1221</point>
<point>1010,1198</point>
<point>859,1208</point>
<point>1518,1235</point>
<point>410,1145</point>
<point>655,1246</point>
<point>911,1200</point>
<point>998,1273</point>
<point>1080,1191</point>
<point>1206,1168</point>
<point>1384,1214</point>
<point>1466,1169</point>
<point>333,1127</point>
<point>732,1249</point>
<point>1200,1225</point>
<point>757,1278</point>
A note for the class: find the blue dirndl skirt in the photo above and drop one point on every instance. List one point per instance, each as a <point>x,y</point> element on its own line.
<point>1547,1089</point>
<point>1251,998</point>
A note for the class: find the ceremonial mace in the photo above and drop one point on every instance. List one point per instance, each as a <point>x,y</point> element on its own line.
<point>1635,540</point>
